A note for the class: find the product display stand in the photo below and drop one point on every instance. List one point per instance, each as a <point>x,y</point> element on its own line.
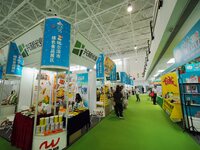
<point>191,125</point>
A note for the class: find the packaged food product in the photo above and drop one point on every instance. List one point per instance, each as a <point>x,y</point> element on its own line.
<point>51,119</point>
<point>46,120</point>
<point>56,119</point>
<point>37,129</point>
<point>52,127</point>
<point>42,121</point>
<point>56,126</point>
<point>42,129</point>
<point>60,118</point>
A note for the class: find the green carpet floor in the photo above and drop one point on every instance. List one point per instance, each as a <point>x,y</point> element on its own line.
<point>145,127</point>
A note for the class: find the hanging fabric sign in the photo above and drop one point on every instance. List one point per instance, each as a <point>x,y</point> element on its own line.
<point>1,72</point>
<point>123,77</point>
<point>15,61</point>
<point>100,67</point>
<point>56,44</point>
<point>113,74</point>
<point>189,48</point>
<point>109,65</point>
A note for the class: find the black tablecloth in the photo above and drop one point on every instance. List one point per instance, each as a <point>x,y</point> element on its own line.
<point>78,122</point>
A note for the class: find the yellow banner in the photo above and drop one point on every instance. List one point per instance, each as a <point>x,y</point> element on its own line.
<point>109,65</point>
<point>169,84</point>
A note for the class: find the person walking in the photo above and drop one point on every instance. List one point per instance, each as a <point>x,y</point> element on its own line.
<point>154,97</point>
<point>137,93</point>
<point>118,99</point>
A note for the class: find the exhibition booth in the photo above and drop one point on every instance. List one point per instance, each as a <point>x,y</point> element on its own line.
<point>48,109</point>
<point>106,78</point>
<point>188,63</point>
<point>180,88</point>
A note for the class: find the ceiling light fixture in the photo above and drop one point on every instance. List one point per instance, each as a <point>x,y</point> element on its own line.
<point>171,61</point>
<point>130,8</point>
<point>135,47</point>
<point>160,71</point>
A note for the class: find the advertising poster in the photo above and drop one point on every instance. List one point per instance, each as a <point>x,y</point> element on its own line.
<point>109,65</point>
<point>84,52</point>
<point>56,44</point>
<point>15,61</point>
<point>113,74</point>
<point>100,67</point>
<point>192,67</point>
<point>44,102</point>
<point>169,84</point>
<point>82,83</point>
<point>189,48</point>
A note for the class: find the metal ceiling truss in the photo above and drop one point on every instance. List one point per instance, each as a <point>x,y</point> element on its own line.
<point>106,23</point>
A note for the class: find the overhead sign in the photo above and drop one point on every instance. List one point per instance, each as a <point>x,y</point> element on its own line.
<point>15,61</point>
<point>109,65</point>
<point>84,53</point>
<point>56,44</point>
<point>100,67</point>
<point>4,54</point>
<point>30,45</point>
<point>189,48</point>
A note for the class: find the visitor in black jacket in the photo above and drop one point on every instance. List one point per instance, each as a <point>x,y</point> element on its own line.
<point>118,99</point>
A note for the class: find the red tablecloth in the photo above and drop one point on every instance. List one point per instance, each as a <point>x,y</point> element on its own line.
<point>22,133</point>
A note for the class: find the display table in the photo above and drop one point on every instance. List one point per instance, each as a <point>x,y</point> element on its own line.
<point>77,122</point>
<point>173,109</point>
<point>22,133</point>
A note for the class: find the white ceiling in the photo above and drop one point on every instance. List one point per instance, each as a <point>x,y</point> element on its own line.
<point>105,22</point>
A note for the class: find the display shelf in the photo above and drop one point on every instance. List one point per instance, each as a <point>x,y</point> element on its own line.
<point>190,83</point>
<point>195,105</point>
<point>173,109</point>
<point>191,94</point>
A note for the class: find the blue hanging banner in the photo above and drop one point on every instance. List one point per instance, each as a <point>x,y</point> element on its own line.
<point>56,45</point>
<point>123,77</point>
<point>189,48</point>
<point>113,74</point>
<point>100,67</point>
<point>15,61</point>
<point>1,72</point>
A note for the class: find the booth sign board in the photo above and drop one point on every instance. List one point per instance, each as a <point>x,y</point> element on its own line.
<point>56,44</point>
<point>15,61</point>
<point>84,53</point>
<point>52,142</point>
<point>30,45</point>
<point>100,67</point>
<point>189,48</point>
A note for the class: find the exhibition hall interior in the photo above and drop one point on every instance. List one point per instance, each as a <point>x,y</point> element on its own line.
<point>99,74</point>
